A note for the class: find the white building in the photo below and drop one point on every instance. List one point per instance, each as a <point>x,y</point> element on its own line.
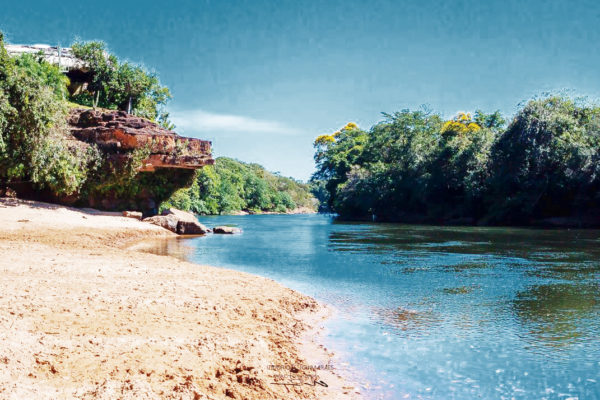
<point>61,56</point>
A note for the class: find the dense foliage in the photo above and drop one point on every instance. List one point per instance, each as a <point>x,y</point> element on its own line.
<point>231,186</point>
<point>121,85</point>
<point>34,149</point>
<point>414,166</point>
<point>38,157</point>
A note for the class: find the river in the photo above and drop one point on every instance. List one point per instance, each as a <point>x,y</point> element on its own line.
<point>434,312</point>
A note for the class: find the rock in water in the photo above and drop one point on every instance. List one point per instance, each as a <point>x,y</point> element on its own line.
<point>187,224</point>
<point>227,230</point>
<point>133,214</point>
<point>191,228</point>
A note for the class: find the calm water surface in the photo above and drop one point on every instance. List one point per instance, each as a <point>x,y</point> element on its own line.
<point>435,312</point>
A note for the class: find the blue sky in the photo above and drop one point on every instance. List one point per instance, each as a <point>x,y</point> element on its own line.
<point>262,79</point>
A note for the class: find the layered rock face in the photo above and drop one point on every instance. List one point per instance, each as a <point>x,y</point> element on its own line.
<point>168,163</point>
<point>120,133</point>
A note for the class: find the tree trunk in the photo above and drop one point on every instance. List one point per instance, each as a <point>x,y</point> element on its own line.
<point>95,102</point>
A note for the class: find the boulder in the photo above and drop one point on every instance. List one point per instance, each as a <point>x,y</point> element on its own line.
<point>133,214</point>
<point>187,223</point>
<point>191,228</point>
<point>226,230</point>
<point>164,221</point>
<point>180,215</point>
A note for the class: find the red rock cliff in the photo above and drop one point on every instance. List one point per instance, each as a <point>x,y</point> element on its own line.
<point>121,133</point>
<point>169,165</point>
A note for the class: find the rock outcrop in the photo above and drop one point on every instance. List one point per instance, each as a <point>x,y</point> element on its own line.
<point>142,163</point>
<point>63,57</point>
<point>120,133</point>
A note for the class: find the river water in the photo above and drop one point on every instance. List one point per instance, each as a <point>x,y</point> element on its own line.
<point>434,312</point>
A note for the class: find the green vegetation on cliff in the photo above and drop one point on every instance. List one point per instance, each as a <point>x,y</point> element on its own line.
<point>118,85</point>
<point>34,149</point>
<point>231,186</point>
<point>414,166</point>
<point>39,157</point>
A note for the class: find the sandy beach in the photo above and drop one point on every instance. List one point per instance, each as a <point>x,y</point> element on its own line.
<point>84,316</point>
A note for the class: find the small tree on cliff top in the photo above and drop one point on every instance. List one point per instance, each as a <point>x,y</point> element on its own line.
<point>123,86</point>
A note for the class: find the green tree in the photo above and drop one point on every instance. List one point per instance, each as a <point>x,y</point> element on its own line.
<point>231,186</point>
<point>398,154</point>
<point>34,149</point>
<point>545,164</point>
<point>102,69</point>
<point>458,169</point>
<point>123,86</point>
<point>44,72</point>
<point>414,167</point>
<point>336,154</point>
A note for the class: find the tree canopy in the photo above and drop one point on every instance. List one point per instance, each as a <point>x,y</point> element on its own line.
<point>231,186</point>
<point>414,166</point>
<point>121,85</point>
<point>34,149</point>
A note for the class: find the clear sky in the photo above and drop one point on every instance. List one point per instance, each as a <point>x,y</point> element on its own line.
<point>262,79</point>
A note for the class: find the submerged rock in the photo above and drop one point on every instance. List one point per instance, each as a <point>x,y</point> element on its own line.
<point>227,230</point>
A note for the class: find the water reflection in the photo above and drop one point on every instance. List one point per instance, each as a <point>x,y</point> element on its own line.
<point>177,247</point>
<point>409,322</point>
<point>559,314</point>
<point>460,289</point>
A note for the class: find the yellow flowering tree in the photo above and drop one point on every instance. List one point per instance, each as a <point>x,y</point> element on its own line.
<point>458,169</point>
<point>463,123</point>
<point>336,154</point>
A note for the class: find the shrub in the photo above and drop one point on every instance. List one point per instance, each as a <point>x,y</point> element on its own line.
<point>33,140</point>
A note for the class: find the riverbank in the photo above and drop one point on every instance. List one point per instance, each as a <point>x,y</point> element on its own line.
<point>295,211</point>
<point>85,317</point>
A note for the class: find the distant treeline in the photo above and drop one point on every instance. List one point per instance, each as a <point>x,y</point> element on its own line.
<point>230,186</point>
<point>415,167</point>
